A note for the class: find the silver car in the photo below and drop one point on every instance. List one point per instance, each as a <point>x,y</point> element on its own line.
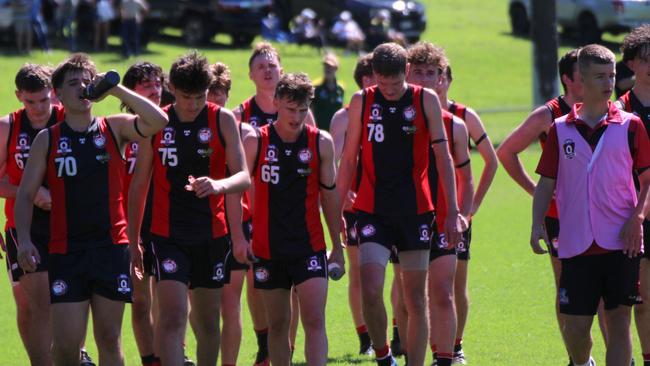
<point>590,18</point>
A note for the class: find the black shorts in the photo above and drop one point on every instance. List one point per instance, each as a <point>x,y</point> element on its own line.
<point>104,271</point>
<point>586,279</point>
<point>405,233</point>
<point>147,255</point>
<point>439,244</point>
<point>552,226</point>
<point>351,228</point>
<point>285,273</point>
<point>233,264</point>
<point>462,249</point>
<point>11,241</point>
<point>198,265</point>
<point>646,239</point>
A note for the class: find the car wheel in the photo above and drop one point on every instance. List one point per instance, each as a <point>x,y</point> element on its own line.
<point>519,20</point>
<point>588,31</point>
<point>242,40</point>
<point>194,31</point>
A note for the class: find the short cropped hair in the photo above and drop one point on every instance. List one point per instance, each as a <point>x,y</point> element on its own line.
<point>263,48</point>
<point>426,53</point>
<point>220,73</point>
<point>296,87</point>
<point>389,59</point>
<point>140,71</point>
<point>637,44</point>
<point>594,54</point>
<point>363,68</point>
<point>190,73</point>
<point>33,78</point>
<point>566,65</point>
<point>76,62</point>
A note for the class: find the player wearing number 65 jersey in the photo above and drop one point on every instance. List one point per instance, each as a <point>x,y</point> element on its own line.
<point>17,132</point>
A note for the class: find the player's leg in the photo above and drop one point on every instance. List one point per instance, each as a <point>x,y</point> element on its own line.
<point>354,299</point>
<point>400,315</point>
<point>295,319</point>
<point>461,294</point>
<point>642,311</point>
<point>38,340</point>
<point>205,304</point>
<point>619,345</point>
<point>277,304</point>
<point>107,324</point>
<point>312,296</point>
<point>69,321</point>
<point>172,320</point>
<point>231,332</point>
<point>414,282</point>
<point>373,274</point>
<point>258,317</point>
<point>142,319</point>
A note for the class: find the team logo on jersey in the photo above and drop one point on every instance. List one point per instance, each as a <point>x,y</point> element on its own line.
<point>313,264</point>
<point>99,140</point>
<point>254,121</point>
<point>23,142</point>
<point>123,284</point>
<point>304,156</point>
<point>219,272</point>
<point>187,133</point>
<point>569,148</point>
<point>82,140</point>
<point>563,296</point>
<point>204,135</point>
<point>392,110</point>
<point>103,158</point>
<point>303,172</point>
<point>424,233</point>
<point>409,130</point>
<point>368,231</point>
<point>271,154</point>
<point>205,153</point>
<point>168,136</point>
<point>169,266</point>
<point>375,112</point>
<point>64,146</point>
<point>409,113</point>
<point>261,274</point>
<point>59,287</point>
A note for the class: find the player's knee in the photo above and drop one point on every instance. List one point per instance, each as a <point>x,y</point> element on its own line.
<point>66,352</point>
<point>314,321</point>
<point>372,293</point>
<point>108,340</point>
<point>173,319</point>
<point>140,310</point>
<point>279,323</point>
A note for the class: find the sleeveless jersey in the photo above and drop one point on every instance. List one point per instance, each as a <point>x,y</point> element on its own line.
<point>131,155</point>
<point>253,114</point>
<point>633,105</point>
<point>457,109</point>
<point>19,143</point>
<point>558,108</point>
<point>85,174</point>
<point>286,219</point>
<point>395,155</point>
<point>182,149</point>
<point>437,193</point>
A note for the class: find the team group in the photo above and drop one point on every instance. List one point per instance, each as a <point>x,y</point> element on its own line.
<point>214,197</point>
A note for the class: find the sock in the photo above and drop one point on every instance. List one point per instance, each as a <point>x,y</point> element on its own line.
<point>458,345</point>
<point>395,331</point>
<point>148,360</point>
<point>444,359</point>
<point>433,350</point>
<point>362,329</point>
<point>383,352</point>
<point>262,339</point>
<point>646,359</point>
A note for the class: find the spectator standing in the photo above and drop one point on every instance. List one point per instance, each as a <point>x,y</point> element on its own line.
<point>38,24</point>
<point>104,13</point>
<point>348,32</point>
<point>66,11</point>
<point>328,97</point>
<point>22,27</point>
<point>132,12</point>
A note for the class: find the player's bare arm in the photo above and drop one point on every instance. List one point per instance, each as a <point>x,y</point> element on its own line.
<point>537,123</point>
<point>348,161</point>
<point>463,168</point>
<point>484,146</point>
<point>7,190</point>
<point>28,256</point>
<point>632,232</point>
<point>138,191</point>
<point>329,198</point>
<point>251,146</point>
<point>542,197</point>
<point>454,223</point>
<point>337,129</point>
<point>238,113</point>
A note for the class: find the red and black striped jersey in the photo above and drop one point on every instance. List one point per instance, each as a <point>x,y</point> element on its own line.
<point>253,114</point>
<point>131,156</point>
<point>437,192</point>
<point>395,146</point>
<point>286,219</point>
<point>457,109</point>
<point>182,149</point>
<point>85,175</point>
<point>558,108</point>
<point>19,143</point>
<point>631,103</point>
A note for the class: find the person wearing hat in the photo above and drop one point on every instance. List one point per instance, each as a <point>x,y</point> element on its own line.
<point>328,96</point>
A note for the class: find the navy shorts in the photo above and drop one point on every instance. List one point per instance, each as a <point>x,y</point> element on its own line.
<point>462,249</point>
<point>439,245</point>
<point>646,239</point>
<point>405,233</point>
<point>233,264</point>
<point>285,273</point>
<point>351,228</point>
<point>11,241</point>
<point>552,226</point>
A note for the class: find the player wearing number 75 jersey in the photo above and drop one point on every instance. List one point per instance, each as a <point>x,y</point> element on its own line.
<point>81,160</point>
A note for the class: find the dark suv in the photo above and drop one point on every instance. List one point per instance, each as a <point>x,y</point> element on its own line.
<point>201,20</point>
<point>407,17</point>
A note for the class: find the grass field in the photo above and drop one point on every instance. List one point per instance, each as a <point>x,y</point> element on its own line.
<point>512,319</point>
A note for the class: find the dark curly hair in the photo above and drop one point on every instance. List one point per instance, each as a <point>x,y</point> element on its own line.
<point>296,87</point>
<point>76,62</point>
<point>190,73</point>
<point>220,73</point>
<point>33,78</point>
<point>637,43</point>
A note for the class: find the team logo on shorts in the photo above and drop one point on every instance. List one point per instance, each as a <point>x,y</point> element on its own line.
<point>59,287</point>
<point>569,148</point>
<point>204,135</point>
<point>375,112</point>
<point>23,142</point>
<point>64,146</point>
<point>168,136</point>
<point>123,284</point>
<point>169,266</point>
<point>461,247</point>
<point>368,231</point>
<point>261,274</point>
<point>425,236</point>
<point>442,242</point>
<point>304,156</point>
<point>563,296</point>
<point>99,140</point>
<point>271,154</point>
<point>313,265</point>
<point>409,113</point>
<point>219,274</point>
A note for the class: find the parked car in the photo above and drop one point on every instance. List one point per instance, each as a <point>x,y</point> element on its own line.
<point>201,20</point>
<point>589,18</point>
<point>407,17</point>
